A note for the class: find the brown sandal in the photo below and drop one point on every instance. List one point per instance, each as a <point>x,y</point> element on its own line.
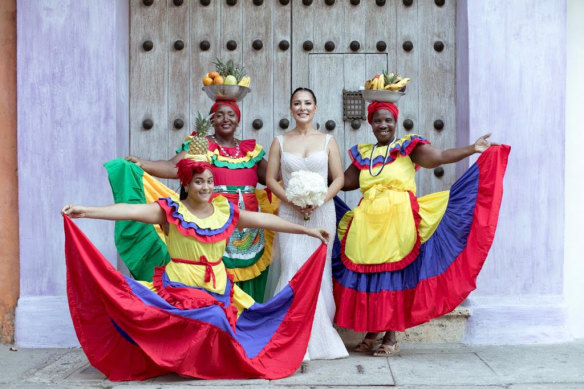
<point>386,350</point>
<point>366,345</point>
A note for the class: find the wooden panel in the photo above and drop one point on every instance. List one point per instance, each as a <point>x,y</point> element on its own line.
<point>380,25</point>
<point>302,30</point>
<point>355,26</point>
<point>205,25</point>
<point>354,76</point>
<point>148,79</point>
<point>179,75</point>
<point>257,22</point>
<point>326,26</point>
<point>437,88</point>
<point>326,72</point>
<point>232,29</point>
<point>408,66</point>
<point>281,66</point>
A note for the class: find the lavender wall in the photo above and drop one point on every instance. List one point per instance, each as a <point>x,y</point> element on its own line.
<point>516,76</point>
<point>72,117</point>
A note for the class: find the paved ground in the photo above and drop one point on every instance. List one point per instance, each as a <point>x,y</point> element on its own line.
<point>418,366</point>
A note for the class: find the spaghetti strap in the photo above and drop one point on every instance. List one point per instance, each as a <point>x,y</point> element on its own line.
<point>281,140</point>
<point>326,141</point>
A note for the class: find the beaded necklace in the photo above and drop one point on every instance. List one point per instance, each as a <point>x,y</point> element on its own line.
<point>225,153</point>
<point>384,159</point>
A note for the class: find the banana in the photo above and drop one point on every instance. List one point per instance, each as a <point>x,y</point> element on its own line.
<point>381,84</point>
<point>368,84</point>
<point>374,83</point>
<point>387,87</point>
<point>245,81</point>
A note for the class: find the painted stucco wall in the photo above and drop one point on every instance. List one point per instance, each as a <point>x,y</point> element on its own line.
<point>9,275</point>
<point>517,57</point>
<point>574,182</point>
<point>72,117</point>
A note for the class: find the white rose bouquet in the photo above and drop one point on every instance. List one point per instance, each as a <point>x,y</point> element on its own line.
<point>306,189</point>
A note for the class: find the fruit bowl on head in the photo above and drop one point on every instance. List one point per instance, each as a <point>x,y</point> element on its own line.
<point>387,96</point>
<point>227,92</point>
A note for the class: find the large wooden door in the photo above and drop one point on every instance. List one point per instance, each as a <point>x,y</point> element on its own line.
<point>285,44</point>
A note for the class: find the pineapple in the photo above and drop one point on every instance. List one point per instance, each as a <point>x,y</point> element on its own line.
<point>229,68</point>
<point>198,144</point>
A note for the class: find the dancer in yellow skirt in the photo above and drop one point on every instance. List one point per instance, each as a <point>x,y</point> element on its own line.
<point>404,260</point>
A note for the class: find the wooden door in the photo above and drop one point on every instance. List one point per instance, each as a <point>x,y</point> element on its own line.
<point>166,80</point>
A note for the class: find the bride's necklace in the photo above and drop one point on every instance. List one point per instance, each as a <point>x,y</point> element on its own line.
<point>384,159</point>
<point>223,151</point>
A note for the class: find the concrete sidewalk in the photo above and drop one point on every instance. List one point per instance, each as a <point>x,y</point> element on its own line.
<point>436,365</point>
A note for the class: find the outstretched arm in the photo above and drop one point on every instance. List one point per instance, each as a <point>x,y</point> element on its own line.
<point>431,157</point>
<point>161,169</point>
<point>268,221</point>
<point>145,213</point>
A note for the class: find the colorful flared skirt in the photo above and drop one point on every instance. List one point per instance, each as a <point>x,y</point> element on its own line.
<point>129,332</point>
<point>445,269</point>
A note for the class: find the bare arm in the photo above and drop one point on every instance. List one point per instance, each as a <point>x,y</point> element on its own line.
<point>335,169</point>
<point>145,213</point>
<point>273,169</point>
<point>262,168</point>
<point>431,157</point>
<point>161,169</point>
<point>268,221</point>
<point>351,178</point>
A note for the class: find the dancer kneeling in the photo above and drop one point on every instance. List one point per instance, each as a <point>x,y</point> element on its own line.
<point>192,319</point>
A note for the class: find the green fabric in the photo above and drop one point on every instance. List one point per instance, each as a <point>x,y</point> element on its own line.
<point>234,263</point>
<point>255,287</point>
<point>138,244</point>
<point>238,165</point>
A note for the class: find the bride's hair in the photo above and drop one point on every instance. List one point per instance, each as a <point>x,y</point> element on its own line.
<point>303,89</point>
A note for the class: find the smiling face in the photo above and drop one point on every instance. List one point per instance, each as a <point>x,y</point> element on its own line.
<point>303,107</point>
<point>225,121</point>
<point>201,187</point>
<point>383,124</point>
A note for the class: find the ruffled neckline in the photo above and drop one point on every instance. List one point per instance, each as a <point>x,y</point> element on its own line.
<point>213,228</point>
<point>360,154</point>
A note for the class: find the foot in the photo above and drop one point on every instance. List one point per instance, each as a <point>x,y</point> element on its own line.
<point>366,345</point>
<point>387,350</point>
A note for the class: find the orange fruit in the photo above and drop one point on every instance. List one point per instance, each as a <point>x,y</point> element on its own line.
<point>213,74</point>
<point>218,80</point>
<point>207,81</point>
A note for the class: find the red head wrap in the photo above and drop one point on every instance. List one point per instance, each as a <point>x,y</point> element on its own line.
<point>187,167</point>
<point>377,105</point>
<point>230,103</point>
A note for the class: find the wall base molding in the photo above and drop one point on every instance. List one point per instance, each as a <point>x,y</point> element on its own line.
<point>517,320</point>
<point>44,322</point>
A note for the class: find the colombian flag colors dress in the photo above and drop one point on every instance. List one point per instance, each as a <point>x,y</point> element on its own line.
<point>191,319</point>
<point>248,252</point>
<point>401,260</point>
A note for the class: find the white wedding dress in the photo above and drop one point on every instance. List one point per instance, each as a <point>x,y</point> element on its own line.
<point>325,342</point>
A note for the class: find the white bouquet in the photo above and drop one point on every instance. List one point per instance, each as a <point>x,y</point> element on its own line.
<point>305,189</point>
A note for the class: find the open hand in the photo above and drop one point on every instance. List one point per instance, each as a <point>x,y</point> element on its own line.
<point>136,160</point>
<point>482,143</point>
<point>74,211</point>
<point>319,233</point>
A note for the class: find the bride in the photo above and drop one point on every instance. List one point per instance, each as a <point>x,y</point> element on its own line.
<point>305,148</point>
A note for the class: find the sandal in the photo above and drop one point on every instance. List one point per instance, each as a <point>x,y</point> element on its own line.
<point>366,345</point>
<point>386,350</point>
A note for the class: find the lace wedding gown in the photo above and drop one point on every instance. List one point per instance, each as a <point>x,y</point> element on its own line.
<point>325,342</point>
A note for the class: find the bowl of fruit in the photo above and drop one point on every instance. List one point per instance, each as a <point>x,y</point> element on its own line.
<point>228,81</point>
<point>387,87</point>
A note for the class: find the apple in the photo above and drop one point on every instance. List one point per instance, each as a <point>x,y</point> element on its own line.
<point>230,80</point>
